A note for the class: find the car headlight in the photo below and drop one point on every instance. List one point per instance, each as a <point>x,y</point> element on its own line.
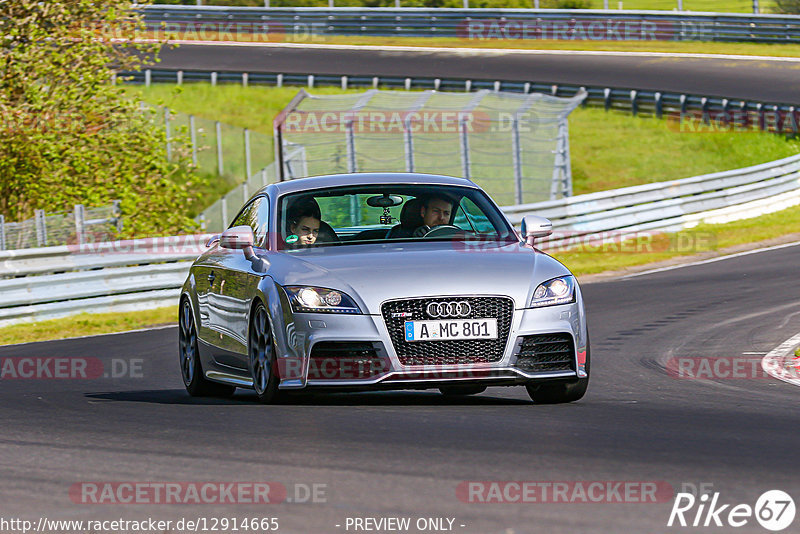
<point>559,290</point>
<point>307,299</point>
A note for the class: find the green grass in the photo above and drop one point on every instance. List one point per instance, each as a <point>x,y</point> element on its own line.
<point>87,324</point>
<point>609,149</point>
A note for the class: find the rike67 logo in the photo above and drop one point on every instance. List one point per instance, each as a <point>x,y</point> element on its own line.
<point>774,510</point>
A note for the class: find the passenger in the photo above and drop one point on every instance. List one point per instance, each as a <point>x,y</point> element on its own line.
<point>304,222</point>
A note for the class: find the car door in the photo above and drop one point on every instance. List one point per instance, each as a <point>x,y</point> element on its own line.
<point>233,289</point>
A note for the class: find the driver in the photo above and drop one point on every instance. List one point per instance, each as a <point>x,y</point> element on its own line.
<point>435,211</point>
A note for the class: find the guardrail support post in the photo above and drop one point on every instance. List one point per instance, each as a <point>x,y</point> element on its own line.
<point>468,86</point>
<point>245,79</point>
<point>80,223</point>
<point>790,116</point>
<point>279,80</point>
<point>375,81</point>
<point>247,161</point>
<point>407,84</point>
<point>179,77</point>
<point>218,127</point>
<point>2,233</point>
<point>193,136</point>
<point>147,77</point>
<point>634,106</point>
<point>214,78</point>
<point>760,115</point>
<point>117,212</point>
<point>310,81</point>
<point>344,83</point>
<point>607,98</point>
<point>659,105</point>
<point>41,228</point>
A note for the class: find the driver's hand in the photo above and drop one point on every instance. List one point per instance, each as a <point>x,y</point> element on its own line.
<point>422,230</point>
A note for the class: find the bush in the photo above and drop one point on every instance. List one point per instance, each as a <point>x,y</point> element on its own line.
<point>68,135</point>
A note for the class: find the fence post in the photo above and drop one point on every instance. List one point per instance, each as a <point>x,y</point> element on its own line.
<point>464,145</point>
<point>218,128</point>
<point>2,233</point>
<point>168,133</point>
<point>516,157</point>
<point>193,134</point>
<point>264,177</point>
<point>41,228</point>
<point>247,161</point>
<point>351,147</point>
<point>409,145</point>
<point>245,191</point>
<point>147,77</point>
<point>80,223</point>
<point>117,214</point>
<point>224,205</point>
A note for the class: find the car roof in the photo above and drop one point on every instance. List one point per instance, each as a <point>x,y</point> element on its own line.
<point>366,178</point>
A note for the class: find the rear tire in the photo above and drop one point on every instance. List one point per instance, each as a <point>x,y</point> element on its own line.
<point>263,358</point>
<point>191,369</point>
<point>458,391</point>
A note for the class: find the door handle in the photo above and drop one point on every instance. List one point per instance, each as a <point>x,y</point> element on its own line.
<point>211,277</point>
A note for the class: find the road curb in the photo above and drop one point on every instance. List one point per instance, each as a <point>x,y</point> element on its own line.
<point>781,364</point>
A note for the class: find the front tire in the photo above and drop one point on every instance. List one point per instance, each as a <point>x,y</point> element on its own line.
<point>562,392</point>
<point>191,369</point>
<point>262,357</point>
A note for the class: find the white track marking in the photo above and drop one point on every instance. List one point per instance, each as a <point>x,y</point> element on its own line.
<point>773,365</point>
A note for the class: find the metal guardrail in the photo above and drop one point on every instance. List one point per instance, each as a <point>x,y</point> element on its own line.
<point>673,205</point>
<point>51,282</point>
<point>783,117</point>
<point>477,24</point>
<point>149,273</point>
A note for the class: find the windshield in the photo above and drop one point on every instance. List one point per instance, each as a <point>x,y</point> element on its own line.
<point>386,213</point>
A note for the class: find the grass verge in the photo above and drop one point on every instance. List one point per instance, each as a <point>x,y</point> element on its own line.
<point>702,239</point>
<point>87,324</point>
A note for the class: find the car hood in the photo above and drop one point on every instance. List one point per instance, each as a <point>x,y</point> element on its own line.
<point>372,274</point>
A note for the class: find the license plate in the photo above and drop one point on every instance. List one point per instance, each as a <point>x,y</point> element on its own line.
<point>452,329</point>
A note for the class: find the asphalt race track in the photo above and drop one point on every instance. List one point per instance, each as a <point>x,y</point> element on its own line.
<point>755,79</point>
<point>405,454</point>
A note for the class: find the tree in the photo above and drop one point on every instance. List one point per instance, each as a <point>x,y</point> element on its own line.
<point>68,135</point>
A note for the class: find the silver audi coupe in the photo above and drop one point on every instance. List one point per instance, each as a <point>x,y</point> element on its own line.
<point>381,281</point>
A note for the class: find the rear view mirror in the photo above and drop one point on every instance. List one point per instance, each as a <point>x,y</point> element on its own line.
<point>534,227</point>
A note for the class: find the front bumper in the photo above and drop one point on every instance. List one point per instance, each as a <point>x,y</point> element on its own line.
<point>378,366</point>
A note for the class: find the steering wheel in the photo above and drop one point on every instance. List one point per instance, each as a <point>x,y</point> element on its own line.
<point>443,230</point>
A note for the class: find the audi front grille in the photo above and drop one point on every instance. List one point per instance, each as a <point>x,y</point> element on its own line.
<point>451,352</point>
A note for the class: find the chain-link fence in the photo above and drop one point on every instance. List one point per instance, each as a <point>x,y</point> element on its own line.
<point>229,152</point>
<point>79,226</point>
<point>515,146</point>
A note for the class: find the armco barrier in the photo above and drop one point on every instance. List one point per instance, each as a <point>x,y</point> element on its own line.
<point>56,281</point>
<point>673,205</point>
<point>572,24</point>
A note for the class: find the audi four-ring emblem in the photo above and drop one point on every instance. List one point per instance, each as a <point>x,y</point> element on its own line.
<point>449,309</point>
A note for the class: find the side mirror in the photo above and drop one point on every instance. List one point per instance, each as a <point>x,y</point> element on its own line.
<point>239,238</point>
<point>534,227</point>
